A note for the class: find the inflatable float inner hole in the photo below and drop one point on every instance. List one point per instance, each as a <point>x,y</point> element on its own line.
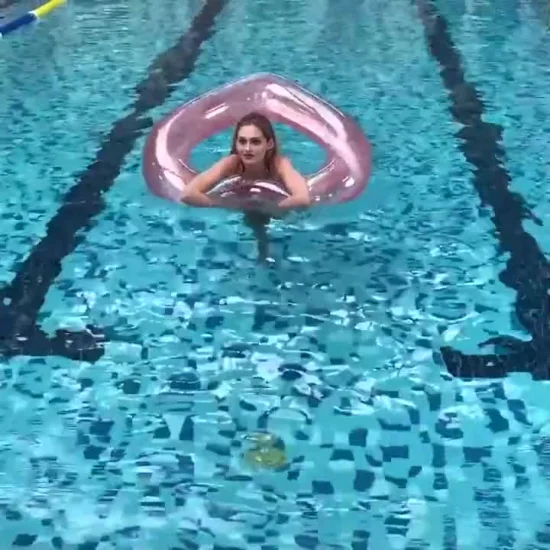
<point>306,155</point>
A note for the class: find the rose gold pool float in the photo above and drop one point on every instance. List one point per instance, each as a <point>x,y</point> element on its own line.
<point>168,148</point>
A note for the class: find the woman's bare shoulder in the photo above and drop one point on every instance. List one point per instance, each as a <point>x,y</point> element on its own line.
<point>230,162</point>
<point>223,168</point>
<point>281,161</point>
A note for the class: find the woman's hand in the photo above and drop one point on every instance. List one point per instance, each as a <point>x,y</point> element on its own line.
<point>195,198</point>
<point>294,201</point>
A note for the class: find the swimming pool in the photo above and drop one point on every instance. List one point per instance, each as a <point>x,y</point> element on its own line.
<point>142,343</point>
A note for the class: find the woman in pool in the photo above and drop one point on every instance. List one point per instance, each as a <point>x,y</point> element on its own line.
<point>254,156</point>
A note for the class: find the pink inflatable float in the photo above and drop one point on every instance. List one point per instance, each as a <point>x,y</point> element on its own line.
<point>342,178</point>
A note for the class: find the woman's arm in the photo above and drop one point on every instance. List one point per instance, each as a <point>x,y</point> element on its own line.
<point>195,191</point>
<point>296,185</point>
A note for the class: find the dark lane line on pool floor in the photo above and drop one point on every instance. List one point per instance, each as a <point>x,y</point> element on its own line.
<point>22,299</point>
<point>527,269</point>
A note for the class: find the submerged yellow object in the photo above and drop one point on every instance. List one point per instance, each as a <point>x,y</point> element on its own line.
<point>267,452</point>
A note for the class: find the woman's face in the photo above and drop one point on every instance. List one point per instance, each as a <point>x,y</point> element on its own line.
<point>252,145</point>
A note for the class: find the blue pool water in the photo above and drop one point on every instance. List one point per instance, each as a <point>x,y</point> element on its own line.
<point>398,348</point>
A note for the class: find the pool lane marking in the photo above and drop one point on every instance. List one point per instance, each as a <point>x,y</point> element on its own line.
<point>22,299</point>
<point>527,269</point>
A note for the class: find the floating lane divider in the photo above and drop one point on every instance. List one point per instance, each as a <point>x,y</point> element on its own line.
<point>30,17</point>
